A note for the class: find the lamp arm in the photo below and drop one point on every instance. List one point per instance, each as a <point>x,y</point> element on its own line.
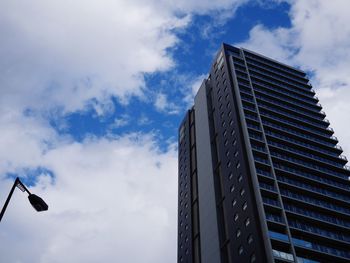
<point>24,187</point>
<point>8,198</point>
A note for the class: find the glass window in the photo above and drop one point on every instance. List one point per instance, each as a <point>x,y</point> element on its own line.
<point>234,202</point>
<point>240,250</point>
<point>279,236</point>
<point>230,176</point>
<point>283,255</point>
<point>242,192</point>
<point>250,239</point>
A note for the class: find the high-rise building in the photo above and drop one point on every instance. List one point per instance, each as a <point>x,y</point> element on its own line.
<point>261,177</point>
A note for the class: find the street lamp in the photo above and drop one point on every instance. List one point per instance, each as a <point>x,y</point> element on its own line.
<point>38,203</point>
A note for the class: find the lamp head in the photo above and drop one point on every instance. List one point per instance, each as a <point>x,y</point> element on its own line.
<point>38,203</point>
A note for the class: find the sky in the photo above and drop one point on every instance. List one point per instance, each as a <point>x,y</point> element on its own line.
<point>92,93</point>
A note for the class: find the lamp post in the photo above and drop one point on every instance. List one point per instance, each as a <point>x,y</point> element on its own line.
<point>38,203</point>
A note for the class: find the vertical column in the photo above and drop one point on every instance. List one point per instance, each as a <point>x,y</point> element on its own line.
<point>209,235</point>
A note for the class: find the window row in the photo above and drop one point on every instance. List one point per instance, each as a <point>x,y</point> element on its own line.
<point>292,123</point>
<point>291,101</point>
<point>316,125</point>
<point>284,88</point>
<point>304,153</point>
<point>301,143</point>
<point>273,65</point>
<point>313,188</point>
<point>322,248</point>
<point>308,164</point>
<point>316,215</point>
<point>315,117</point>
<point>315,201</point>
<point>326,180</point>
<point>286,95</point>
<point>301,85</point>
<point>298,133</point>
<point>317,230</point>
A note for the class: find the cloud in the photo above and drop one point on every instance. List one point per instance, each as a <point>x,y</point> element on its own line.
<point>163,105</point>
<point>110,196</point>
<point>318,41</point>
<point>275,42</point>
<point>23,140</point>
<point>144,120</point>
<point>190,88</point>
<point>121,122</point>
<point>63,54</point>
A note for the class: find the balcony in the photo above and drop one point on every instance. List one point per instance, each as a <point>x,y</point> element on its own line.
<point>296,120</point>
<point>309,166</point>
<point>332,194</point>
<point>303,154</point>
<point>320,218</point>
<point>321,248</point>
<point>329,180</point>
<point>258,65</point>
<point>275,65</point>
<point>299,128</point>
<point>280,103</point>
<point>280,85</point>
<point>303,87</point>
<point>299,135</point>
<point>289,95</point>
<point>319,232</point>
<point>307,146</point>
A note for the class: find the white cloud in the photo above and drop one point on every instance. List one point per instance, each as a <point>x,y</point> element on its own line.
<point>162,104</point>
<point>111,197</point>
<point>144,120</point>
<point>318,41</point>
<point>62,54</point>
<point>275,43</point>
<point>121,122</point>
<point>23,140</point>
<point>191,86</point>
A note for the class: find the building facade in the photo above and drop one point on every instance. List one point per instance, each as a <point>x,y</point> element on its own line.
<point>261,176</point>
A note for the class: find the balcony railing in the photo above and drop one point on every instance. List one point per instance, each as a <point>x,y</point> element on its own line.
<point>274,65</point>
<point>329,180</point>
<point>318,128</point>
<point>282,104</point>
<point>286,93</point>
<point>281,85</point>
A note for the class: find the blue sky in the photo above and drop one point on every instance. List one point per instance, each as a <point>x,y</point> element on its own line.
<point>92,93</point>
<point>192,56</point>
